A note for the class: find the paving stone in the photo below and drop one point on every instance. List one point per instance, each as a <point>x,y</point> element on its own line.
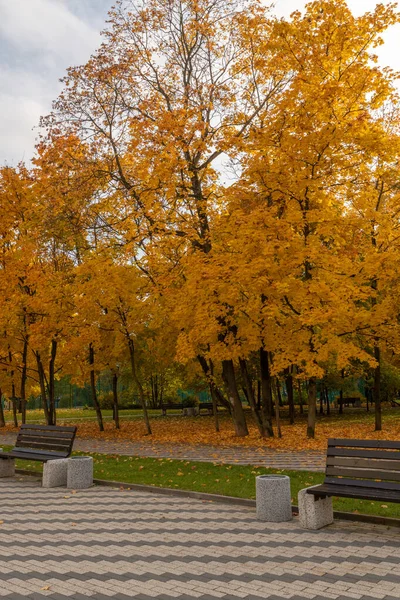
<point>120,547</point>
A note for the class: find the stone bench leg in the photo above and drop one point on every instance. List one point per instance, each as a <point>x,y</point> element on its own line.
<point>55,473</point>
<point>80,472</point>
<point>7,467</point>
<point>314,513</point>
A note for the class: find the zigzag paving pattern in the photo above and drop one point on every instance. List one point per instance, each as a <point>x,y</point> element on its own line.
<point>237,455</point>
<point>109,543</point>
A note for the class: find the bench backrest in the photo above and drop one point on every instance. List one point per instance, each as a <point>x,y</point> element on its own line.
<point>363,463</point>
<point>48,438</point>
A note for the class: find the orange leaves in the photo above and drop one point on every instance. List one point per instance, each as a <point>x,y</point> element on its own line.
<point>200,431</point>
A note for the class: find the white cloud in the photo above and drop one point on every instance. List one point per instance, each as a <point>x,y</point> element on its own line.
<point>46,26</point>
<point>39,39</point>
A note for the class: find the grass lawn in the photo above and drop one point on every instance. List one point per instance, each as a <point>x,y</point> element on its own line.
<point>229,480</point>
<point>80,414</point>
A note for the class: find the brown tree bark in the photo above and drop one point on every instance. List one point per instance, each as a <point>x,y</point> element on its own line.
<point>23,380</point>
<point>42,383</point>
<point>250,397</point>
<point>138,384</point>
<point>377,390</point>
<point>266,393</point>
<point>300,391</point>
<point>115,400</point>
<point>239,418</point>
<point>321,402</point>
<point>328,405</point>
<point>277,415</point>
<point>96,404</point>
<point>14,406</point>
<point>289,390</point>
<point>208,371</point>
<point>312,407</point>
<point>52,400</point>
<point>214,396</point>
<point>2,420</point>
<point>13,397</point>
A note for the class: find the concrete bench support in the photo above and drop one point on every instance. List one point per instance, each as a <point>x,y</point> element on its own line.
<point>55,473</point>
<point>273,498</point>
<point>80,472</point>
<point>314,513</point>
<point>7,466</point>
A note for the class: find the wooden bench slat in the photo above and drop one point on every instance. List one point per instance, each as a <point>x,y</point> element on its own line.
<point>355,492</point>
<point>56,428</point>
<point>392,455</point>
<point>32,455</point>
<point>47,434</point>
<point>364,483</point>
<point>385,465</point>
<point>37,451</point>
<point>42,447</point>
<point>43,440</point>
<point>366,473</point>
<point>386,444</point>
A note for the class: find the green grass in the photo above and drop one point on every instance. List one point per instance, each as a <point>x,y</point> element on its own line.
<point>79,414</point>
<point>229,480</point>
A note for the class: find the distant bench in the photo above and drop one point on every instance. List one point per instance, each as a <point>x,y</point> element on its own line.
<point>201,406</point>
<point>355,402</point>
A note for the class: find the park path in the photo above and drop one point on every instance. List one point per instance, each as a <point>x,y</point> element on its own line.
<point>106,543</point>
<point>236,455</point>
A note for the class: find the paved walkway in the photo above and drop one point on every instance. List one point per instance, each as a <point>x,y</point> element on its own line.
<point>239,455</point>
<point>106,543</point>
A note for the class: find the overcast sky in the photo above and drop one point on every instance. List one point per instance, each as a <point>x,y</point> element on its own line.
<point>39,39</point>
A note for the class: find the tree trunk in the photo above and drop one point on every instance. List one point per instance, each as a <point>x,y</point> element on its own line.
<point>238,416</point>
<point>115,400</point>
<point>23,380</point>
<point>377,389</point>
<point>52,400</point>
<point>312,407</point>
<point>93,388</point>
<point>289,390</point>
<point>2,419</point>
<point>138,384</point>
<point>321,401</point>
<point>250,397</point>
<point>277,415</point>
<point>266,393</point>
<point>278,390</point>
<point>341,396</point>
<point>42,383</point>
<point>214,397</point>
<point>300,396</point>
<point>14,406</point>
<point>14,400</point>
<point>209,374</point>
<point>328,405</point>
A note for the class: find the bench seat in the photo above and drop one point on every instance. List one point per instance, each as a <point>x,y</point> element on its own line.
<point>349,491</point>
<point>32,455</point>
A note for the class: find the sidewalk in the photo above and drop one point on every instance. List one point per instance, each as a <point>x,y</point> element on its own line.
<point>108,543</point>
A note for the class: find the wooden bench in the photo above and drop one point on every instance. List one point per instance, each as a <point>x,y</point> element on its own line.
<point>206,406</point>
<point>360,469</point>
<point>170,406</point>
<point>42,443</point>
